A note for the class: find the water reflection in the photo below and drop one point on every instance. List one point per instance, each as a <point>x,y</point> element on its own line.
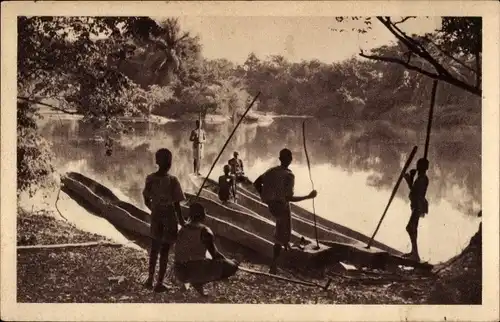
<point>354,168</point>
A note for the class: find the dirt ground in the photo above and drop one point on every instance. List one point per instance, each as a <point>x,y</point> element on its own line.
<point>110,274</point>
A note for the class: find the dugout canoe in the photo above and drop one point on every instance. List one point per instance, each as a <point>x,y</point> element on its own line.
<point>222,221</point>
<point>302,219</point>
<point>347,244</point>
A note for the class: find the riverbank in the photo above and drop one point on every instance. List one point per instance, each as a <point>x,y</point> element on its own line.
<point>110,274</point>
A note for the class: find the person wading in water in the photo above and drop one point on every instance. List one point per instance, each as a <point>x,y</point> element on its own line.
<point>198,138</point>
<point>418,203</point>
<point>191,265</point>
<point>276,188</point>
<point>162,195</point>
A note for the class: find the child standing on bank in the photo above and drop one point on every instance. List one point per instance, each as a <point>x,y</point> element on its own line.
<point>162,195</point>
<point>418,203</point>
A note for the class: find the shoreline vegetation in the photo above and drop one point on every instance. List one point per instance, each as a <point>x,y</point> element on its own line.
<point>64,274</point>
<point>259,118</point>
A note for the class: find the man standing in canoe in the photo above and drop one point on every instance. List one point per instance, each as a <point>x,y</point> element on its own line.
<point>198,138</point>
<point>276,188</point>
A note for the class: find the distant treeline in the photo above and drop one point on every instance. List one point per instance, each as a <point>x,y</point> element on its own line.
<point>355,89</point>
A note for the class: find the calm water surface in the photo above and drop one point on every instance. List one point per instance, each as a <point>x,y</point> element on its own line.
<point>354,168</point>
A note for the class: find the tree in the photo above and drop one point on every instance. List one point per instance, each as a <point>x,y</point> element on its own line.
<point>458,41</point>
<point>34,157</point>
<point>171,52</point>
<point>76,61</point>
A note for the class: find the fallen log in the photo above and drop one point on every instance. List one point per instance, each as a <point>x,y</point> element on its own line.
<point>71,245</point>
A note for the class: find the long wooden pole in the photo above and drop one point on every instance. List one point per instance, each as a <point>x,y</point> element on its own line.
<point>403,171</point>
<point>431,114</point>
<point>312,182</point>
<point>225,144</point>
<point>324,287</point>
<point>199,145</point>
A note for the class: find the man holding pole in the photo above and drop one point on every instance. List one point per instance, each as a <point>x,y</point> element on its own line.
<point>198,138</point>
<point>418,203</point>
<point>276,188</point>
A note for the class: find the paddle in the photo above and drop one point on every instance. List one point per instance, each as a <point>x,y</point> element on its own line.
<point>403,171</point>
<point>312,183</point>
<point>431,113</point>
<point>225,144</point>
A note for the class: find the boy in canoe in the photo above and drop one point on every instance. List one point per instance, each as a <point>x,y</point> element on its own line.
<point>198,138</point>
<point>162,195</point>
<point>226,185</point>
<point>191,265</point>
<point>418,203</point>
<point>237,168</point>
<point>276,188</point>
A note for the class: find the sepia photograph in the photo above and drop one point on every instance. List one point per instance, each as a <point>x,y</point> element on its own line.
<point>187,158</point>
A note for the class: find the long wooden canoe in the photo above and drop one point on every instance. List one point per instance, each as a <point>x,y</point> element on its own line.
<point>347,245</point>
<point>223,221</point>
<point>302,224</point>
<point>302,219</point>
<point>240,216</point>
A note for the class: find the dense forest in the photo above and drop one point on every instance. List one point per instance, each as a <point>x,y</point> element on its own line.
<point>354,89</point>
<point>103,68</point>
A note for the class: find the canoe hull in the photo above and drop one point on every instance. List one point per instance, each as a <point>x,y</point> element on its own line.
<point>304,219</point>
<point>238,215</point>
<point>108,210</point>
<point>132,219</point>
<point>303,227</point>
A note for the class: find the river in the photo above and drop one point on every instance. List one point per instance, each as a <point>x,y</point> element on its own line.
<point>354,167</point>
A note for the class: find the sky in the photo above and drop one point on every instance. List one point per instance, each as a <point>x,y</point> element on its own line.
<point>295,38</point>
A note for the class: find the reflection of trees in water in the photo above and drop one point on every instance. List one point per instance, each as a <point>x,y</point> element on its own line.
<point>454,163</point>
<point>454,155</point>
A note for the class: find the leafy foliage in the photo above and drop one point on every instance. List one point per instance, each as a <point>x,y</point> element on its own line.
<point>34,157</point>
<point>456,41</point>
<point>76,61</point>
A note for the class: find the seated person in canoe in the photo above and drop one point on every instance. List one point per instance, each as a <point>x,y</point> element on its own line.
<point>276,188</point>
<point>226,185</point>
<point>162,195</point>
<point>418,203</point>
<point>191,265</point>
<point>237,169</point>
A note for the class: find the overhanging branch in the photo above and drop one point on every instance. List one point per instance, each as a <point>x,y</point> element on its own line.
<point>447,54</point>
<point>448,78</point>
<point>400,62</point>
<point>404,19</point>
<point>418,49</point>
<point>411,44</point>
<point>48,105</point>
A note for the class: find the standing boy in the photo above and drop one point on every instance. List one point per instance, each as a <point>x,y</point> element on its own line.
<point>418,203</point>
<point>162,195</point>
<point>198,138</point>
<point>276,188</point>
